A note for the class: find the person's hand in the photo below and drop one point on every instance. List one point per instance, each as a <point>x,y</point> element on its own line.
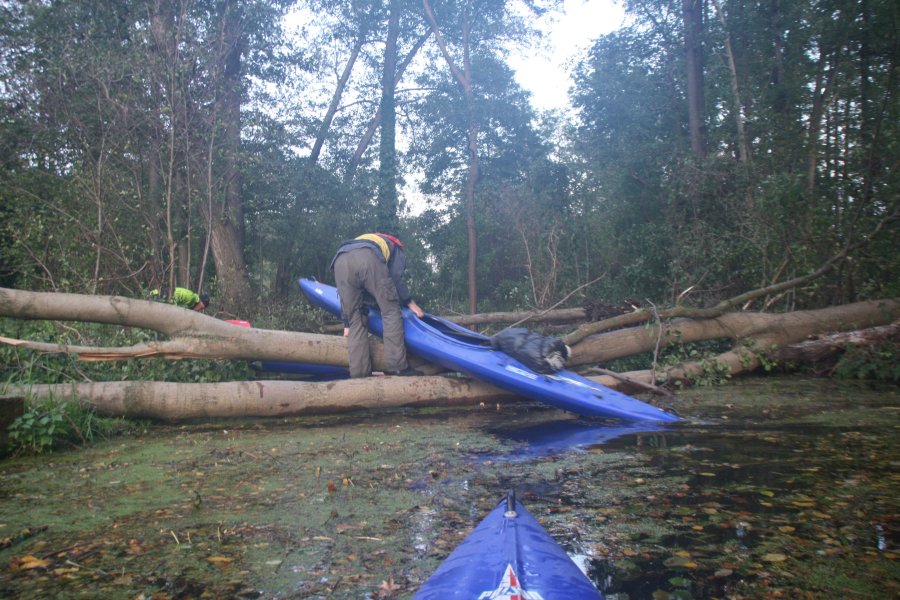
<point>346,332</point>
<point>415,308</point>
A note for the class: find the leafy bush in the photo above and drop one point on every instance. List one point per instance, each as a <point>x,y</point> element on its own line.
<point>880,362</point>
<point>49,424</point>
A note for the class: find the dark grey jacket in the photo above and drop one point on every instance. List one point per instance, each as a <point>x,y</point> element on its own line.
<point>396,264</point>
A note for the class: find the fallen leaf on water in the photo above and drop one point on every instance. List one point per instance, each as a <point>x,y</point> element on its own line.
<point>388,588</point>
<point>774,557</point>
<point>32,562</point>
<point>723,573</point>
<point>219,561</point>
<point>768,493</point>
<point>787,529</point>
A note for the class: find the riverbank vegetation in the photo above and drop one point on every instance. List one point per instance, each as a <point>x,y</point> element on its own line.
<point>719,158</point>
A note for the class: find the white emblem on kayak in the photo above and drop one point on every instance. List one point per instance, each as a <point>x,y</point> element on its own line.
<point>509,589</point>
<point>573,382</point>
<point>521,372</point>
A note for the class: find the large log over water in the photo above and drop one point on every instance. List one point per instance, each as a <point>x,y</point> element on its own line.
<point>192,335</point>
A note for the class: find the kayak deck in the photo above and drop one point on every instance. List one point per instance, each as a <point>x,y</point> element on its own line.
<point>459,349</point>
<point>508,555</point>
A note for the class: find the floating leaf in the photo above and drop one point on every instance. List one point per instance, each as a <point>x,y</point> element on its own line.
<point>787,529</point>
<point>723,573</point>
<point>774,557</point>
<point>680,562</point>
<point>387,588</point>
<point>32,562</point>
<point>767,493</point>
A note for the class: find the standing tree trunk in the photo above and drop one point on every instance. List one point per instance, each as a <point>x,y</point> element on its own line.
<point>387,151</point>
<point>366,138</point>
<point>743,145</point>
<point>226,222</point>
<point>692,14</point>
<point>464,78</point>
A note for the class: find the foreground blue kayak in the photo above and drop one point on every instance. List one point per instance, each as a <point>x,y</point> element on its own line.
<point>459,349</point>
<point>508,556</point>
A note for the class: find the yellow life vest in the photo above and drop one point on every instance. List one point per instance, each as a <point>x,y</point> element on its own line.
<point>379,241</point>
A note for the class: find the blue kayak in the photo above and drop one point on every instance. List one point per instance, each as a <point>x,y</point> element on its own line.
<point>508,556</point>
<point>459,349</point>
<point>312,370</point>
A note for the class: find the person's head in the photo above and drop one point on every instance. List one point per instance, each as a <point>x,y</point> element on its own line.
<point>203,304</point>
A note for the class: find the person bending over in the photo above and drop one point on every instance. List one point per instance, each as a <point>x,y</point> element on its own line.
<point>374,263</point>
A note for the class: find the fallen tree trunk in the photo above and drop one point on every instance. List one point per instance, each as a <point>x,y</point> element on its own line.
<point>826,347</point>
<point>757,331</point>
<point>199,336</point>
<point>185,401</point>
<point>192,334</point>
<point>176,402</point>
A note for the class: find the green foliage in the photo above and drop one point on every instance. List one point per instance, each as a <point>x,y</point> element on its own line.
<point>666,219</point>
<point>880,362</point>
<point>703,353</point>
<point>50,424</point>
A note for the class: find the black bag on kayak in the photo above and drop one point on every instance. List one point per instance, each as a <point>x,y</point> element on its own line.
<point>537,352</point>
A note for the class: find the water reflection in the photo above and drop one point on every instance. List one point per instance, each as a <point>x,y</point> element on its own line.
<point>555,437</point>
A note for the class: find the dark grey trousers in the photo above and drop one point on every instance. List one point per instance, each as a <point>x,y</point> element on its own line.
<point>359,271</point>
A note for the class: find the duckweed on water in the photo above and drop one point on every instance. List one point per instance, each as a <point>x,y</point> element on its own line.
<point>773,488</point>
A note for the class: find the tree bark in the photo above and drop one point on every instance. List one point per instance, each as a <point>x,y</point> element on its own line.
<point>759,331</point>
<point>195,335</point>
<point>388,219</point>
<point>463,76</point>
<point>224,220</point>
<point>743,144</point>
<point>185,401</point>
<point>692,15</point>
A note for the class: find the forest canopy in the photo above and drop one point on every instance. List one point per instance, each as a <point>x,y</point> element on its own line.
<point>715,146</point>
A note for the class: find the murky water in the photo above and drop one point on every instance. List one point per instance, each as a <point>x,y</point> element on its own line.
<point>772,488</point>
